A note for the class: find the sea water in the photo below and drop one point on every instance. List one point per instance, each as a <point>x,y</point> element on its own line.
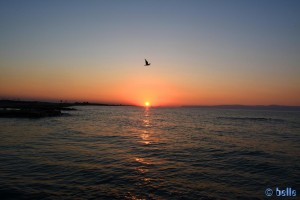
<point>99,152</point>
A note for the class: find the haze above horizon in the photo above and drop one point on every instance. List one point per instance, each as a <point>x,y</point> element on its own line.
<point>201,52</point>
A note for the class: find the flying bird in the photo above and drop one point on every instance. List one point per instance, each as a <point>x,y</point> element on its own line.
<point>146,63</point>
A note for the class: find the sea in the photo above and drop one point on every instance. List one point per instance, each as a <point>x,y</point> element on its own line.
<point>124,152</point>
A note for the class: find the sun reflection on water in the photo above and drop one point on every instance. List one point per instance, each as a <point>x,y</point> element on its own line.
<point>142,169</point>
<point>145,137</point>
<point>146,124</point>
<point>142,161</point>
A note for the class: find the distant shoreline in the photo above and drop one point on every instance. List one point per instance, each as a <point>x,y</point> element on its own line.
<point>20,103</point>
<point>98,104</point>
<point>39,109</point>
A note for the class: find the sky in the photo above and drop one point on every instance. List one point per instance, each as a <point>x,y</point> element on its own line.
<point>201,52</point>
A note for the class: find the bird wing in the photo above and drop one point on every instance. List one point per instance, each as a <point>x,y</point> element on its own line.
<point>146,62</point>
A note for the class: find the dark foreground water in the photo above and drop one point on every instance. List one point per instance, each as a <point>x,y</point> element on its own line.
<point>156,153</point>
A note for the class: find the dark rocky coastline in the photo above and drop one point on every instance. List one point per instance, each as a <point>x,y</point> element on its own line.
<point>32,109</point>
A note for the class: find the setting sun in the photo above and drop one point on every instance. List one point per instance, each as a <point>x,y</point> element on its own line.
<point>147,104</point>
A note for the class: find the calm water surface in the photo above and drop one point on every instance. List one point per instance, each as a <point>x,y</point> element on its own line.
<point>156,153</point>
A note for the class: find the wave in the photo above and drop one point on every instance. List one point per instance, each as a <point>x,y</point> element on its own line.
<point>252,119</point>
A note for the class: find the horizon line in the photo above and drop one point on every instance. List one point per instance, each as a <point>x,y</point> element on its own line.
<point>126,104</point>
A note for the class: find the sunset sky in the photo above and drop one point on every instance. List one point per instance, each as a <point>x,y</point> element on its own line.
<point>201,52</point>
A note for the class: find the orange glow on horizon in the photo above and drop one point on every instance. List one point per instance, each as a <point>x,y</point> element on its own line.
<point>137,86</point>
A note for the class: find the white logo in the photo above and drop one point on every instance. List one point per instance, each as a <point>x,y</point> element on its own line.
<point>284,192</point>
<point>269,192</point>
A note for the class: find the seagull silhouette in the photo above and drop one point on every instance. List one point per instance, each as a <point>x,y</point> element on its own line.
<point>146,63</point>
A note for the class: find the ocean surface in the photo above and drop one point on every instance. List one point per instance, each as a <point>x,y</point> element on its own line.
<point>99,152</point>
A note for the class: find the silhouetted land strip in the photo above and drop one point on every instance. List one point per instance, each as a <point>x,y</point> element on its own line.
<point>96,104</point>
<point>31,109</point>
<point>38,109</point>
